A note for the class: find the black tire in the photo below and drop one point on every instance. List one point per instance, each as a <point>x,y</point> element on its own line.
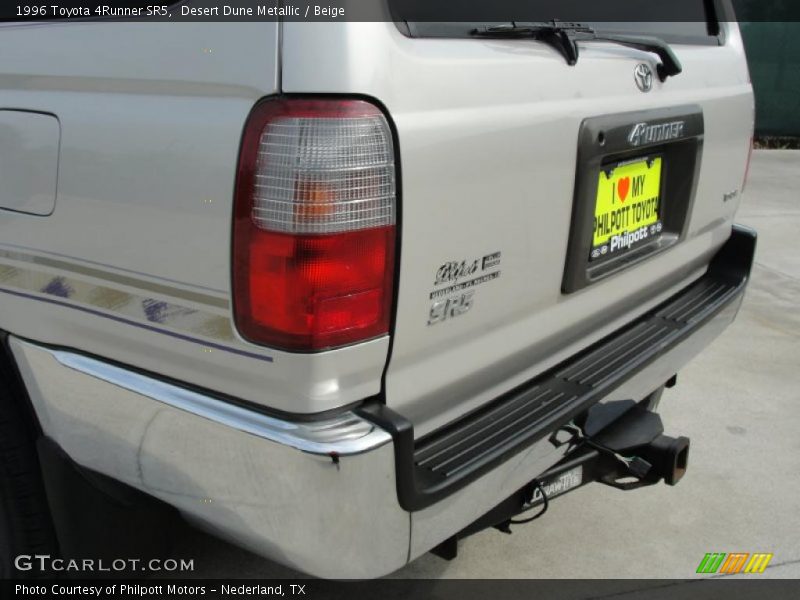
<point>25,522</point>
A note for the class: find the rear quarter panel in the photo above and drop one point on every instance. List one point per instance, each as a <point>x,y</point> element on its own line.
<point>134,263</point>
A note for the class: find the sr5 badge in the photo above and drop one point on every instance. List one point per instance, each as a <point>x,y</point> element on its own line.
<point>449,308</point>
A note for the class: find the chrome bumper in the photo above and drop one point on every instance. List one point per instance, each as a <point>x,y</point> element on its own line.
<point>320,496</point>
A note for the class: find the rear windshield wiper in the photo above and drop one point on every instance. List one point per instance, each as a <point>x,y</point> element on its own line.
<point>564,36</point>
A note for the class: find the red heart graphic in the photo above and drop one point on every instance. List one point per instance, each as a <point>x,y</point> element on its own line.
<point>623,185</point>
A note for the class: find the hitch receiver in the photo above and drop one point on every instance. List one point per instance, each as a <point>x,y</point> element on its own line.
<point>669,457</point>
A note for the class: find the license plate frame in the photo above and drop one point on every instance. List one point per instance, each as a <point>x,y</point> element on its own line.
<point>608,141</point>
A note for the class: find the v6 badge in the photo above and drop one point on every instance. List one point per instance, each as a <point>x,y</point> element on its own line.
<point>449,308</point>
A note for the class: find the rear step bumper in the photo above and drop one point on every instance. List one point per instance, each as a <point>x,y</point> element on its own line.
<point>432,468</point>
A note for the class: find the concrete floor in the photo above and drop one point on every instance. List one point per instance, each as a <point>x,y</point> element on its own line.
<point>740,404</point>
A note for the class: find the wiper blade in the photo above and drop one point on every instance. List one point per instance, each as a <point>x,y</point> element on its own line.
<point>522,29</point>
<point>563,36</point>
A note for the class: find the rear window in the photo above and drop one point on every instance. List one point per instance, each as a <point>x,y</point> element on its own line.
<point>677,21</point>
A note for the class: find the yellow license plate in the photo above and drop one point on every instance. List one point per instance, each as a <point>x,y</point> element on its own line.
<point>627,211</point>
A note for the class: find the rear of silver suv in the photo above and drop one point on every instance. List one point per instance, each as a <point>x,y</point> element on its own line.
<point>464,260</point>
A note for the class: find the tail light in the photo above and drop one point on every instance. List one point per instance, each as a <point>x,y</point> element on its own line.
<point>314,228</point>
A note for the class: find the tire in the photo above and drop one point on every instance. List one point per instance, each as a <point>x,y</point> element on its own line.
<point>25,523</point>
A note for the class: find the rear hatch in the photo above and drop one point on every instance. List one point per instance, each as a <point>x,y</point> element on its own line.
<point>514,166</point>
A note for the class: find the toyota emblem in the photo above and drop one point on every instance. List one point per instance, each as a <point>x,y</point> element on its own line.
<point>643,76</point>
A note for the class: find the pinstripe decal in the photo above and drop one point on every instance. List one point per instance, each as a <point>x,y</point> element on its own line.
<point>186,315</point>
<point>110,276</point>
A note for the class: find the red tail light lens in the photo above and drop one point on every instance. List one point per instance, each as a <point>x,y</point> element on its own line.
<point>314,229</point>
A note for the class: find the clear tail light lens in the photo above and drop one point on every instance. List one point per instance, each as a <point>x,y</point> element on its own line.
<point>314,229</point>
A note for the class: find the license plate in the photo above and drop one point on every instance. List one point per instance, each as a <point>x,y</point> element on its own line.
<point>627,210</point>
<point>559,484</point>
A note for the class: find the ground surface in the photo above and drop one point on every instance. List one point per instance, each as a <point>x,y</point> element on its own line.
<point>739,402</point>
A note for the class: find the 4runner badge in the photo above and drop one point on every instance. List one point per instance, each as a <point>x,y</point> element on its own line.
<point>644,133</point>
<point>644,77</point>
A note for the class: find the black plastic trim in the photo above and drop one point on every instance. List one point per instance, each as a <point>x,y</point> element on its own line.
<point>435,466</point>
<point>604,141</point>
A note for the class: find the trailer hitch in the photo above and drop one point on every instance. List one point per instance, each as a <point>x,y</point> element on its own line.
<point>620,444</point>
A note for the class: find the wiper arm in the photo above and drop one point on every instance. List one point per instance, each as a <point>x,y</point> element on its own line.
<point>560,35</point>
<point>564,36</point>
<point>669,65</point>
